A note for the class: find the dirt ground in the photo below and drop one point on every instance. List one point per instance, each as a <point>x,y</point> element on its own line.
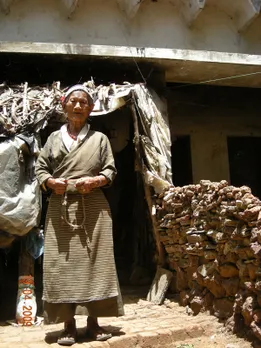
<point>145,325</point>
<point>218,340</point>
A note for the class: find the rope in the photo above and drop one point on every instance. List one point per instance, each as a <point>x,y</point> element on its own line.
<point>64,211</point>
<point>216,80</point>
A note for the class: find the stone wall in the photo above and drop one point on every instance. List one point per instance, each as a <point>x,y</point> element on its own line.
<point>212,236</point>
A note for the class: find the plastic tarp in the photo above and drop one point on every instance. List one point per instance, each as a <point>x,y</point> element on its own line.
<point>20,201</point>
<point>155,134</point>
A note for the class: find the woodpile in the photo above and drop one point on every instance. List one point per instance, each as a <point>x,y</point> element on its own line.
<point>212,236</point>
<point>26,109</point>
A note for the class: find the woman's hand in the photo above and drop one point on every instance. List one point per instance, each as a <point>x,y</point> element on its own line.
<point>57,185</point>
<point>85,185</point>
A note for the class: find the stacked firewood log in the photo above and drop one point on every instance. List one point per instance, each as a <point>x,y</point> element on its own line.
<point>212,236</point>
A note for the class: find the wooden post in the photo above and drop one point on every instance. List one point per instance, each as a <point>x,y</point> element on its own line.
<point>26,306</point>
<point>26,261</point>
<point>160,250</point>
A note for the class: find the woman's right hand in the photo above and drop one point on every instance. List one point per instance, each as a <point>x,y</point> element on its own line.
<point>57,185</point>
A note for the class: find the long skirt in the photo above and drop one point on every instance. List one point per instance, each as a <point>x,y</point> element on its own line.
<point>79,268</point>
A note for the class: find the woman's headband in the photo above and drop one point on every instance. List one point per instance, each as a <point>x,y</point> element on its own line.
<point>77,88</point>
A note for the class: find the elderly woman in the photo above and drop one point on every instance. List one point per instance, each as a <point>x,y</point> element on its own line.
<point>79,266</point>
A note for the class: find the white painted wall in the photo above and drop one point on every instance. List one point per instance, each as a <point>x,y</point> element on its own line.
<point>156,24</point>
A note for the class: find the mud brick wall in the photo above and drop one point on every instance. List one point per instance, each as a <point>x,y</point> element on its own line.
<point>212,236</point>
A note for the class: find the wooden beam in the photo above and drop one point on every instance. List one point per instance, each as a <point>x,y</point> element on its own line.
<point>191,9</point>
<point>5,5</point>
<point>70,6</point>
<point>130,7</point>
<point>26,261</point>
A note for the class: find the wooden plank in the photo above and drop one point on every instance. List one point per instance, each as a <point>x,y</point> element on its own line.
<point>159,286</point>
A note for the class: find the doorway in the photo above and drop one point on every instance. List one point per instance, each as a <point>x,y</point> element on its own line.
<point>181,161</point>
<point>245,168</point>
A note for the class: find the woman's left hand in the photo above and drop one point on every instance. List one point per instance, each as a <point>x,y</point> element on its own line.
<point>85,185</point>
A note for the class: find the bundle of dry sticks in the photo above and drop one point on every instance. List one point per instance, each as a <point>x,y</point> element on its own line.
<point>24,108</point>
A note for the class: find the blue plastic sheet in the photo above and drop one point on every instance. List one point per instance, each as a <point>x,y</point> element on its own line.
<point>35,242</point>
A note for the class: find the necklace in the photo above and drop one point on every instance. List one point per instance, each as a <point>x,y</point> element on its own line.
<point>74,137</point>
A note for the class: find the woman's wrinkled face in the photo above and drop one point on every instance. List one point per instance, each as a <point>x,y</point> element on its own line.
<point>77,107</point>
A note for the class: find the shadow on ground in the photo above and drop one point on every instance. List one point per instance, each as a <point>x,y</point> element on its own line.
<point>51,337</point>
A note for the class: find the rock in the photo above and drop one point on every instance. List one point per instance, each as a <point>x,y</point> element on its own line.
<point>183,263</point>
<point>210,254</point>
<point>252,213</point>
<point>231,286</point>
<point>212,235</point>
<point>195,249</point>
<point>243,269</point>
<point>228,270</point>
<point>223,308</point>
<point>193,260</point>
<point>196,304</point>
<point>228,258</point>
<point>206,269</point>
<point>248,285</point>
<point>184,298</point>
<point>244,253</point>
<point>256,330</point>
<point>230,222</point>
<point>173,265</point>
<point>257,316</point>
<point>198,279</point>
<point>195,238</point>
<point>247,310</point>
<point>259,300</point>
<point>174,248</point>
<point>214,285</point>
<point>182,282</point>
<point>258,285</point>
<point>191,276</point>
<point>239,301</point>
<point>230,246</point>
<point>252,271</point>
<point>235,323</point>
<point>256,248</point>
<point>173,284</point>
<point>208,301</point>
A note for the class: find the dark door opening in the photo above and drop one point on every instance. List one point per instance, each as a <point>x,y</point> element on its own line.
<point>181,161</point>
<point>244,164</point>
